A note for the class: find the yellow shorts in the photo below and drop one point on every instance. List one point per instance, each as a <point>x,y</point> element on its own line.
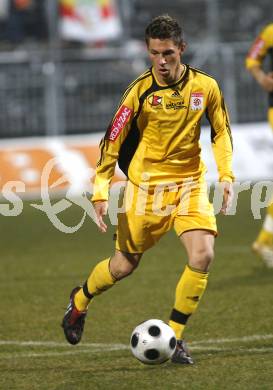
<point>147,216</point>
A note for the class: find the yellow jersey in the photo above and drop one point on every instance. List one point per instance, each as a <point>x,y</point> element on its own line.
<point>154,134</point>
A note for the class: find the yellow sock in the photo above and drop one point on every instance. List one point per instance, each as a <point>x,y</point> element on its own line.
<point>99,280</point>
<point>189,291</point>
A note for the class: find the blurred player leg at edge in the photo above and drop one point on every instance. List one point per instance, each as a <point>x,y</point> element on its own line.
<point>261,48</point>
<point>263,245</point>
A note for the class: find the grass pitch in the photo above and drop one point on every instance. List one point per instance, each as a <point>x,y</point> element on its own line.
<point>231,335</point>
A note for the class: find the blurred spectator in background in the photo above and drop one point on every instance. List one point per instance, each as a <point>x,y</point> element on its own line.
<point>24,19</point>
<point>262,46</point>
<point>4,6</point>
<point>18,16</point>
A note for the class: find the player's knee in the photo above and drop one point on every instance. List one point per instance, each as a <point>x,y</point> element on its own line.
<point>123,270</point>
<point>202,259</point>
<point>122,265</point>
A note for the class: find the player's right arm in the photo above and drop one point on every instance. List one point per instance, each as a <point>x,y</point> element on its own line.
<point>256,55</point>
<point>109,152</point>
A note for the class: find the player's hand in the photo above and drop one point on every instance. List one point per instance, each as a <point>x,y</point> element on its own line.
<point>101,208</point>
<point>227,196</point>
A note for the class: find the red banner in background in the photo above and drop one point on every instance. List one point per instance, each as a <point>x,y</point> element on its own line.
<point>89,20</point>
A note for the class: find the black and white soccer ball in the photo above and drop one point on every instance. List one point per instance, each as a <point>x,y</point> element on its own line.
<point>153,342</point>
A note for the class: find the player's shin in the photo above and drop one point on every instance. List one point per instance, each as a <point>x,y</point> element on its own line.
<point>189,291</point>
<point>99,280</point>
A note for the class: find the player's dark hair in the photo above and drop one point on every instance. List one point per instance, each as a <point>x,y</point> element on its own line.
<point>164,27</point>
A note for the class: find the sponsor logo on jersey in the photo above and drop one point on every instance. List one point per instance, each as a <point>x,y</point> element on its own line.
<point>119,123</point>
<point>155,101</point>
<point>175,105</point>
<point>197,101</point>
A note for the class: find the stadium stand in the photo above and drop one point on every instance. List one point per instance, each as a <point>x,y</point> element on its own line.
<point>74,90</point>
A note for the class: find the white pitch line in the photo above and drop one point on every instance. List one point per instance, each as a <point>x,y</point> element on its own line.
<point>208,345</point>
<point>243,339</point>
<point>111,348</point>
<point>64,353</point>
<point>53,344</point>
<point>223,349</point>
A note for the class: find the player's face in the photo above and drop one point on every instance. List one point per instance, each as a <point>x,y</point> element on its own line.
<point>165,56</point>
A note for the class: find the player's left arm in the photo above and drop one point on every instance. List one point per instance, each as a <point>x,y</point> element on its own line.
<point>221,139</point>
<point>227,196</point>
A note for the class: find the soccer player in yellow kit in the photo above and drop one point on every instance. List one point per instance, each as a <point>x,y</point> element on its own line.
<point>262,46</point>
<point>154,136</point>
